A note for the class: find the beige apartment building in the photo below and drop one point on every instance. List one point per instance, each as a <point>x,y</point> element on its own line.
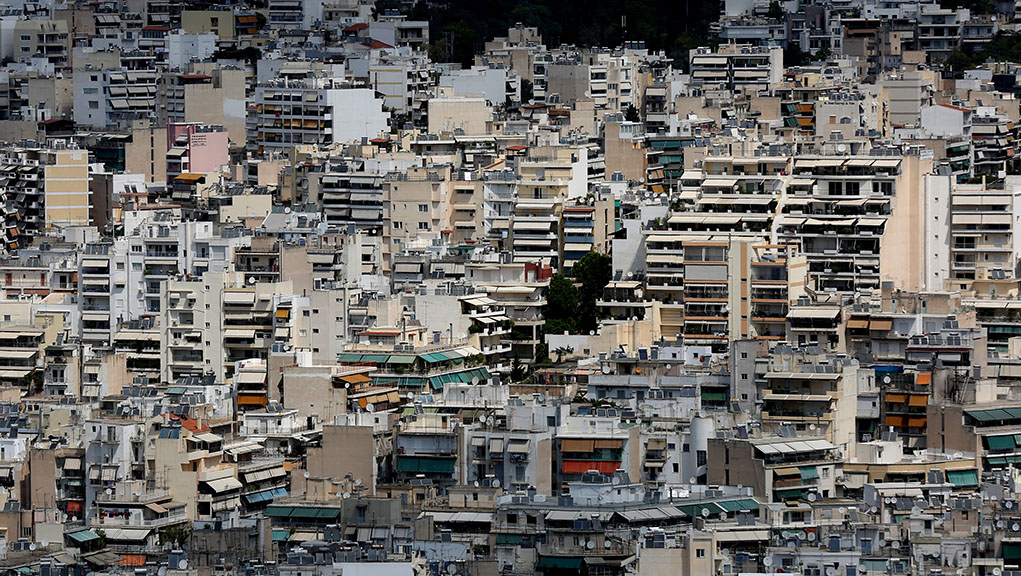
<point>416,208</point>
<point>67,189</point>
<point>710,289</point>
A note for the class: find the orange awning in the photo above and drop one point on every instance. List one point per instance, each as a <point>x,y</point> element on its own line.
<point>189,178</point>
<point>897,421</point>
<point>923,379</point>
<point>918,400</point>
<point>355,378</point>
<point>897,398</point>
<point>916,422</point>
<point>573,445</point>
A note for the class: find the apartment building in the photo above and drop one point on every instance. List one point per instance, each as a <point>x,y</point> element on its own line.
<point>39,38</point>
<point>708,290</point>
<point>116,97</point>
<point>284,114</point>
<point>45,188</point>
<point>736,67</point>
<point>778,469</point>
<point>416,206</point>
<point>208,96</point>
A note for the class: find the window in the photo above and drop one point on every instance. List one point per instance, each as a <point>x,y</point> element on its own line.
<point>423,225</point>
<point>398,225</point>
<point>700,553</point>
<point>423,207</point>
<point>90,91</point>
<point>93,104</point>
<point>700,458</point>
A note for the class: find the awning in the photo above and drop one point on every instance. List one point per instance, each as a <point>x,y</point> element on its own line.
<point>576,445</point>
<point>239,298</point>
<point>156,508</point>
<point>791,471</point>
<point>496,445</point>
<point>517,446</point>
<point>809,312</point>
<point>224,484</point>
<point>83,536</point>
<point>880,325</point>
<point>963,478</point>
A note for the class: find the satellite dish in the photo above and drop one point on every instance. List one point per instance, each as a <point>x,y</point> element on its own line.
<point>46,543</point>
<point>895,545</point>
<point>496,483</point>
<point>605,369</point>
<point>32,546</point>
<point>811,426</point>
<point>607,544</point>
<point>811,536</point>
<point>915,510</point>
<point>451,569</point>
<point>615,481</point>
<point>705,512</point>
<point>997,571</point>
<point>183,564</point>
<point>692,480</point>
<point>767,561</point>
<point>251,280</point>
<point>842,510</point>
<point>1015,527</point>
<point>863,568</point>
<point>812,497</point>
<point>886,380</point>
<point>723,516</point>
<point>476,483</point>
<point>831,571</point>
<point>370,407</point>
<point>162,571</point>
<point>346,495</point>
<point>109,491</point>
<point>306,475</point>
<point>590,544</point>
<point>411,396</point>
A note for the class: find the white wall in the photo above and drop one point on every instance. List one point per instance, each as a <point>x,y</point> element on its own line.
<point>356,113</point>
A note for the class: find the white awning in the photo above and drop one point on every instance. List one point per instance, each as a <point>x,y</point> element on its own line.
<point>239,298</point>
<point>813,313</point>
<point>224,484</point>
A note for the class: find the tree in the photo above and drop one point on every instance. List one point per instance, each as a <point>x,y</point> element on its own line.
<point>775,10</point>
<point>631,114</point>
<point>562,351</point>
<point>593,272</point>
<point>526,91</point>
<point>562,302</point>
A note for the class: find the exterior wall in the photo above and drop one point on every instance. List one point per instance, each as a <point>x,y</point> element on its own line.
<point>467,114</point>
<point>346,450</point>
<point>901,260</point>
<point>67,189</point>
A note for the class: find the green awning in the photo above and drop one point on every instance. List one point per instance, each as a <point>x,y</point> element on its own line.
<point>397,359</point>
<point>714,396</point>
<point>375,358</point>
<point>738,505</point>
<point>350,358</point>
<point>1001,443</point>
<point>304,512</point>
<point>963,478</point>
<point>873,565</point>
<point>281,535</point>
<point>1012,550</point>
<point>697,510</point>
<point>434,358</point>
<point>559,563</point>
<point>789,494</point>
<point>425,465</point>
<point>512,539</point>
<point>809,472</point>
<point>83,536</point>
<point>279,511</point>
<point>176,390</point>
